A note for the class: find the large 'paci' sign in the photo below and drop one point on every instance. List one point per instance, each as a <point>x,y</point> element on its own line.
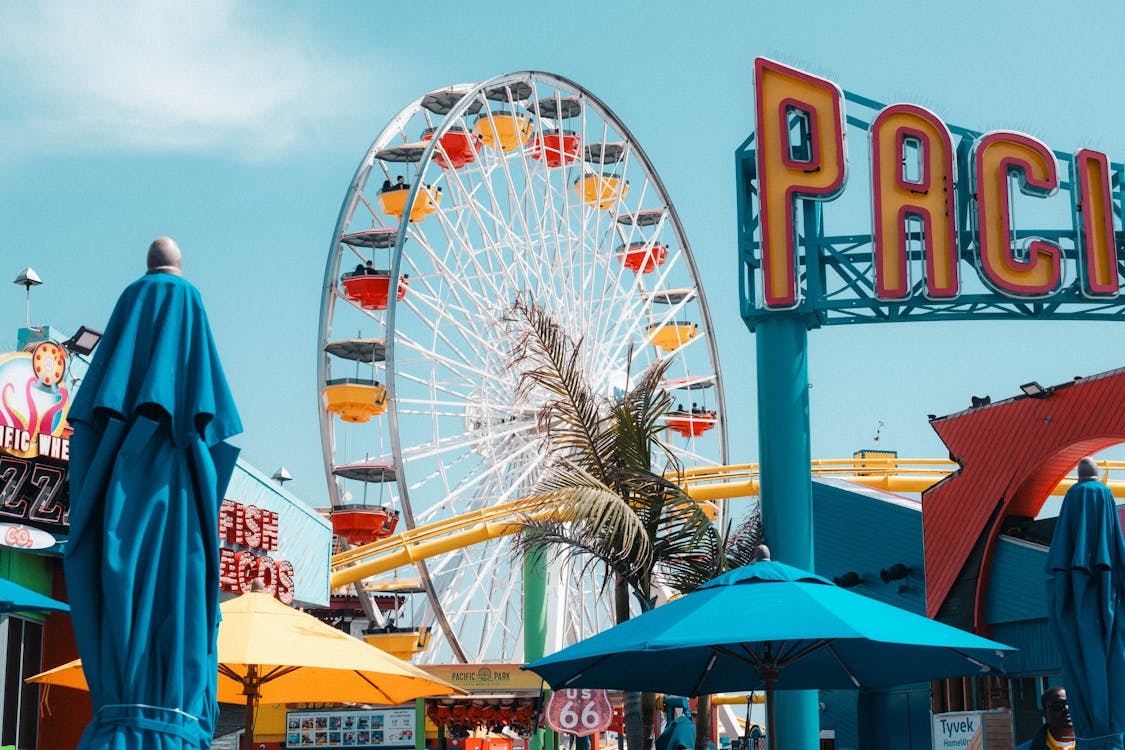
<point>801,154</point>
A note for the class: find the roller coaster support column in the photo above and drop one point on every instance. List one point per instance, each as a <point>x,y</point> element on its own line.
<point>535,620</point>
<point>786,485</point>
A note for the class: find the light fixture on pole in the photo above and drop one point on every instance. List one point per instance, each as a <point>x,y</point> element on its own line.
<point>27,279</point>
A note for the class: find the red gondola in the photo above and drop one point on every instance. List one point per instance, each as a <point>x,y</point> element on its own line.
<point>691,425</point>
<point>360,524</point>
<point>458,147</point>
<point>642,257</point>
<point>371,290</point>
<point>556,147</point>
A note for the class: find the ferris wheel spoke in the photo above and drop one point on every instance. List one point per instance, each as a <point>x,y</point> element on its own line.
<point>367,204</point>
<point>688,456</point>
<point>459,366</point>
<point>451,275</point>
<point>478,337</point>
<point>456,279</point>
<point>493,485</point>
<point>495,248</point>
<point>456,444</point>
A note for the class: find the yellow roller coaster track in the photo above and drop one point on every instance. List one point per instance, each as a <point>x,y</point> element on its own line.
<point>706,485</point>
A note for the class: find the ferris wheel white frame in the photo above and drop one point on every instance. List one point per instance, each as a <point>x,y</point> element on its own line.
<point>394,132</point>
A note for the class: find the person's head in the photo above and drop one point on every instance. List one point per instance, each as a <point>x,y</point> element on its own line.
<point>400,179</point>
<point>1056,713</point>
<point>1087,469</point>
<point>164,256</point>
<point>369,265</point>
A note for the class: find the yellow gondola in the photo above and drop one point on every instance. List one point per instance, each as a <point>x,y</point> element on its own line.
<point>393,203</point>
<point>601,190</point>
<point>671,336</point>
<point>354,399</point>
<point>503,131</point>
<point>402,644</point>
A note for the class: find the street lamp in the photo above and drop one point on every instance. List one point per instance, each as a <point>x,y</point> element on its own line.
<point>27,279</point>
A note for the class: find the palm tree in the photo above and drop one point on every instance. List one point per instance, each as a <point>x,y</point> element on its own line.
<point>615,509</point>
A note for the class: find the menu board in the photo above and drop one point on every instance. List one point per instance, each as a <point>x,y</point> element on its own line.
<point>374,729</point>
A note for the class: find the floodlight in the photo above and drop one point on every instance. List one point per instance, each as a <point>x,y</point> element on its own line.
<point>83,341</point>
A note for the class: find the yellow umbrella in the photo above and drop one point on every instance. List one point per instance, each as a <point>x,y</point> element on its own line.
<point>271,653</point>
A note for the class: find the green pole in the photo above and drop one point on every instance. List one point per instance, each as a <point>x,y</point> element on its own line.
<point>784,454</point>
<point>535,620</point>
<point>419,724</point>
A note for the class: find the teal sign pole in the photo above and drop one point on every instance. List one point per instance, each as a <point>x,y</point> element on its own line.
<point>535,624</point>
<point>786,487</point>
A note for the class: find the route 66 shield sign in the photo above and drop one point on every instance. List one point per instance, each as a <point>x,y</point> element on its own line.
<point>579,711</point>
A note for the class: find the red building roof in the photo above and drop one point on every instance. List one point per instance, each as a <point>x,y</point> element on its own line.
<point>1012,454</point>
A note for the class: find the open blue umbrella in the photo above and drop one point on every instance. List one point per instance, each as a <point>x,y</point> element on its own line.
<point>16,598</point>
<point>769,625</point>
<point>148,470</point>
<point>1086,610</point>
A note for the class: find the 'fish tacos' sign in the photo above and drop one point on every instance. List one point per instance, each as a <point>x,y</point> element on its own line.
<point>942,202</point>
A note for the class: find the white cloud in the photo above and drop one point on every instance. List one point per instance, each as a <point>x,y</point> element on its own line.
<point>197,75</point>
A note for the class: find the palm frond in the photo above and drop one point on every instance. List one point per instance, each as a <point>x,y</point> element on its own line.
<point>554,539</point>
<point>718,554</point>
<point>574,418</point>
<point>590,516</point>
<point>639,422</point>
<point>741,547</point>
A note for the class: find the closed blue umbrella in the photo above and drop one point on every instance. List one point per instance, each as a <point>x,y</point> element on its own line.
<point>16,598</point>
<point>148,470</point>
<point>1086,610</point>
<point>769,625</point>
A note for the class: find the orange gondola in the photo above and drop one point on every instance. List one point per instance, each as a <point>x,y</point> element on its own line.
<point>372,290</point>
<point>641,257</point>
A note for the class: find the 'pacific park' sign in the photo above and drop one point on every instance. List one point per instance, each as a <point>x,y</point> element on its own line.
<point>934,203</point>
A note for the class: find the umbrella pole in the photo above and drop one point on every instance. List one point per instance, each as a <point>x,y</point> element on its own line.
<point>769,675</point>
<point>252,690</point>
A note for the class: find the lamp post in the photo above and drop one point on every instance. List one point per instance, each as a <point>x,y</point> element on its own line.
<point>27,279</point>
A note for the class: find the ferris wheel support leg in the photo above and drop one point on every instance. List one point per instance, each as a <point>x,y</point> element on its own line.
<point>534,619</point>
<point>786,486</point>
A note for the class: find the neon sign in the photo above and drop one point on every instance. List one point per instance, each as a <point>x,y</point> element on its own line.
<point>941,206</point>
<point>34,437</point>
<point>256,529</point>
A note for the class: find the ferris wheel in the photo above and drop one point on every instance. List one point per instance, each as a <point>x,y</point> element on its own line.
<point>525,187</point>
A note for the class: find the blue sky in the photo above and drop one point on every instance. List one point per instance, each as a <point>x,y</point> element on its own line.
<point>236,127</point>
